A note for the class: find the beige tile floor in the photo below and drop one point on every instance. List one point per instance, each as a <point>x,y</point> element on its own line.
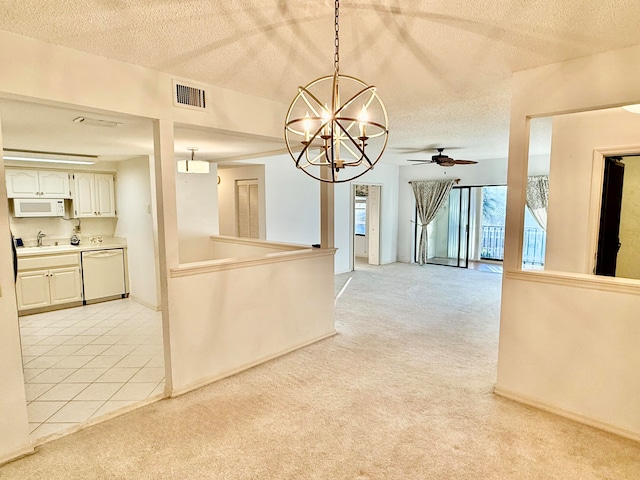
<point>82,363</point>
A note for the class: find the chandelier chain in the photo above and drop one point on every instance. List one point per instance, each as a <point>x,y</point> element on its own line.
<point>336,56</point>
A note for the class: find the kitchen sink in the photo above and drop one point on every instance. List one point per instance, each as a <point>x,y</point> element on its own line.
<point>47,248</point>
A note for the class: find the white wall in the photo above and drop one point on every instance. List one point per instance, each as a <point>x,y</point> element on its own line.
<point>232,319</point>
<point>37,71</point>
<point>387,177</point>
<point>135,223</point>
<point>40,70</point>
<point>571,237</point>
<point>227,197</point>
<point>292,201</point>
<point>14,426</point>
<point>233,248</point>
<point>569,341</point>
<point>342,218</point>
<point>58,229</point>
<point>360,244</point>
<point>572,349</point>
<point>197,204</point>
<point>485,172</point>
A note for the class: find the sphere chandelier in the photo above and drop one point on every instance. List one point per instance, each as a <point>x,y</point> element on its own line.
<point>346,132</point>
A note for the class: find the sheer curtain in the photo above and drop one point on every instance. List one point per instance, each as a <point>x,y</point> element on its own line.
<point>430,196</point>
<point>538,198</point>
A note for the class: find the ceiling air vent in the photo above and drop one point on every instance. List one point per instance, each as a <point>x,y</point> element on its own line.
<point>188,96</point>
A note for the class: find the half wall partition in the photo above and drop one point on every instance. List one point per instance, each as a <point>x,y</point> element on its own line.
<point>239,302</point>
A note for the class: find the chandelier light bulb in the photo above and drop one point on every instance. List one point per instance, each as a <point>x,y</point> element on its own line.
<point>306,124</point>
<point>363,118</point>
<point>326,127</point>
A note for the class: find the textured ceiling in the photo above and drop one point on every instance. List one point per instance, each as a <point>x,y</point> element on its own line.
<point>442,66</point>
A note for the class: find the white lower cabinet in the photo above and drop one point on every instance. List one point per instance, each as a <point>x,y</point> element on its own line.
<point>38,286</point>
<point>32,289</point>
<point>65,285</point>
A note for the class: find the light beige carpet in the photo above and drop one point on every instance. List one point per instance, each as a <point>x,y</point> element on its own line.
<point>404,391</point>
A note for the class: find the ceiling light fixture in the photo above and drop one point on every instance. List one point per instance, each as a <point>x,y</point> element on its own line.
<point>96,122</point>
<point>48,157</point>
<point>334,134</point>
<point>193,166</point>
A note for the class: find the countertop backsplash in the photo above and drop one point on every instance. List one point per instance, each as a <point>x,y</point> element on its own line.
<point>60,230</point>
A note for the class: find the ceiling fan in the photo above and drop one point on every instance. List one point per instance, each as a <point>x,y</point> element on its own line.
<point>444,160</point>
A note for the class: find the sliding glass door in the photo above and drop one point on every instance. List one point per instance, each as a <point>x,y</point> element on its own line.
<point>448,233</point>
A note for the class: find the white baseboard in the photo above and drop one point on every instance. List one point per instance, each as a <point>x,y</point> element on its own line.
<point>570,414</point>
<point>146,304</point>
<point>247,366</point>
<point>16,454</point>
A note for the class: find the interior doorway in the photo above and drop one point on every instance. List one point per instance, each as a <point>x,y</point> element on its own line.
<point>366,224</point>
<point>618,244</point>
<point>83,363</point>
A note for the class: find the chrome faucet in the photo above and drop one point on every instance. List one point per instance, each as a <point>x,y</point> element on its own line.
<point>40,237</point>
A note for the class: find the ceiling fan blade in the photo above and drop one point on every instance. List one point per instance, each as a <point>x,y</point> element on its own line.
<point>464,162</point>
<point>420,161</point>
<point>425,149</point>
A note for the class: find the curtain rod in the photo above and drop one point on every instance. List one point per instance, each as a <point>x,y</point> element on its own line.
<point>457,180</point>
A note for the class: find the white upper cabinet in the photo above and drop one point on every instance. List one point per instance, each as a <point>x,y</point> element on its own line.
<point>22,183</point>
<point>37,183</point>
<point>84,195</point>
<point>105,197</point>
<point>94,195</point>
<point>54,184</point>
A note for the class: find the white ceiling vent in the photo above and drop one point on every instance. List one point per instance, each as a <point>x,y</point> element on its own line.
<point>189,96</point>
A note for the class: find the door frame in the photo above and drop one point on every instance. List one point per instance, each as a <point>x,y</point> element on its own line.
<point>595,196</point>
<point>352,222</point>
<point>610,217</point>
<point>467,232</point>
<point>236,194</point>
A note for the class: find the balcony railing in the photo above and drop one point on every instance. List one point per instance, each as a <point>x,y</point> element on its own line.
<point>492,244</point>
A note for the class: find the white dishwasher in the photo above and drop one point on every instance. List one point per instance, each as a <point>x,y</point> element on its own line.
<point>103,273</point>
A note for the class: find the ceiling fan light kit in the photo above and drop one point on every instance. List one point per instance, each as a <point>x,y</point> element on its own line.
<point>347,132</point>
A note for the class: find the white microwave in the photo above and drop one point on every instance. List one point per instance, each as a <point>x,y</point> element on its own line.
<point>38,207</point>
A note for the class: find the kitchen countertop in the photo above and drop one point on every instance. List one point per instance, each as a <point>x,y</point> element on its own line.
<point>108,242</point>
